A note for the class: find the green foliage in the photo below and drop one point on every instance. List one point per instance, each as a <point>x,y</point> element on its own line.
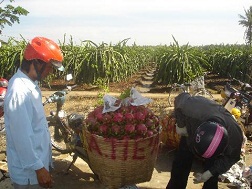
<point>11,55</point>
<point>246,21</point>
<point>125,94</point>
<point>91,61</point>
<point>230,60</point>
<point>180,64</point>
<point>101,64</point>
<point>102,84</point>
<point>10,14</point>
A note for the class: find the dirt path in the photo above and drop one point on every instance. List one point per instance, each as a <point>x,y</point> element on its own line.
<point>80,176</point>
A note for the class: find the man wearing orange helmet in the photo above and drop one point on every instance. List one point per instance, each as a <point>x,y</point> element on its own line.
<point>29,152</point>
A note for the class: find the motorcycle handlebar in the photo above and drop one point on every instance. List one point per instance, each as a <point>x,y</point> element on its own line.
<point>232,92</point>
<point>59,95</point>
<point>244,86</point>
<point>69,88</point>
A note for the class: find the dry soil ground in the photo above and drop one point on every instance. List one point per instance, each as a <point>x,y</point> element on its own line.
<point>82,100</point>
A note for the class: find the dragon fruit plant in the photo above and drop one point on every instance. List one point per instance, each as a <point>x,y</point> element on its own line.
<point>127,122</point>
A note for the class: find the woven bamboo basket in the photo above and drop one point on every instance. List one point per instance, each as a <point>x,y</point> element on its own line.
<point>122,162</point>
<point>169,136</point>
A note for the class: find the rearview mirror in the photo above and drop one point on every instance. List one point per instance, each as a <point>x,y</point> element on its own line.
<point>69,77</point>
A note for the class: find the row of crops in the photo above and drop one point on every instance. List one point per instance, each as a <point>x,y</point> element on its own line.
<point>90,62</point>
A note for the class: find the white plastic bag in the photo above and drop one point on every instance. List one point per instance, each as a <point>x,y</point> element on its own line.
<point>111,103</point>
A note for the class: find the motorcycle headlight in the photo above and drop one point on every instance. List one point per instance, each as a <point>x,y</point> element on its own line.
<point>62,114</point>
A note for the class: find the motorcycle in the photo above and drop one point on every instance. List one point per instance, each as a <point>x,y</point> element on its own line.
<point>66,129</point>
<point>3,89</point>
<point>239,103</point>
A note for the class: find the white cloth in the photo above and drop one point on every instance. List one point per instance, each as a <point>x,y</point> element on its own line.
<point>202,177</point>
<point>28,137</point>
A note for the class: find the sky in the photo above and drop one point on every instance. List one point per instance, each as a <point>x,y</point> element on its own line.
<point>145,22</point>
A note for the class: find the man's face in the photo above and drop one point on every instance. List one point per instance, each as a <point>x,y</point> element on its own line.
<point>48,70</point>
<point>42,68</point>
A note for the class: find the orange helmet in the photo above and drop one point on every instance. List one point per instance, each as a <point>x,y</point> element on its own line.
<point>46,50</point>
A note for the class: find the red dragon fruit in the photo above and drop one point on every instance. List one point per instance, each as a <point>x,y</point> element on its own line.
<point>150,133</point>
<point>127,122</point>
<point>98,109</point>
<point>144,110</point>
<point>150,124</point>
<point>103,129</point>
<point>115,129</point>
<point>99,116</point>
<point>129,116</point>
<point>118,117</point>
<point>139,116</point>
<point>107,118</point>
<point>132,109</point>
<point>129,128</point>
<point>141,129</point>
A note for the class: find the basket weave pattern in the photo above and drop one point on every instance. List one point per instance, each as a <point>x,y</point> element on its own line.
<point>169,135</point>
<point>122,162</point>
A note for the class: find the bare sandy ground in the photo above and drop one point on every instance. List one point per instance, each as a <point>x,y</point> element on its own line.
<point>81,177</point>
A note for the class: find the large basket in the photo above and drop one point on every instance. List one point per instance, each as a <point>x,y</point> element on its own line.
<point>122,162</point>
<point>169,136</point>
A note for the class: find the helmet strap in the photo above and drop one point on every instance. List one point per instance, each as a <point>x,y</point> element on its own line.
<point>39,72</point>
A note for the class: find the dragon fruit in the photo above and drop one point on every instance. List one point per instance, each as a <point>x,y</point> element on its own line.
<point>118,117</point>
<point>129,128</point>
<point>150,133</point>
<point>99,116</point>
<point>141,129</point>
<point>127,122</point>
<point>103,129</point>
<point>150,123</point>
<point>115,130</point>
<point>129,117</point>
<point>107,118</point>
<point>139,116</point>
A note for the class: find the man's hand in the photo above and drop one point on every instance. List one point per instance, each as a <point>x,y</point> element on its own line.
<point>201,177</point>
<point>44,178</point>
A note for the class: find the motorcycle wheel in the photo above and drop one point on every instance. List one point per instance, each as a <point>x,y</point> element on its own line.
<point>205,93</point>
<point>58,139</point>
<point>175,91</point>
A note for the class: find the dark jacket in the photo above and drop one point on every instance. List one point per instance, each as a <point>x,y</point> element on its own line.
<point>191,111</point>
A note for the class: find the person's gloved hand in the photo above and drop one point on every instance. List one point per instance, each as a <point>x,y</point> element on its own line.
<point>201,177</point>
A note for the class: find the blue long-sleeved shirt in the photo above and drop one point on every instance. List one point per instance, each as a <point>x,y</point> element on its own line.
<point>27,134</point>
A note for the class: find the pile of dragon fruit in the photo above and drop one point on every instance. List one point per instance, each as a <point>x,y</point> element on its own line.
<point>127,122</point>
